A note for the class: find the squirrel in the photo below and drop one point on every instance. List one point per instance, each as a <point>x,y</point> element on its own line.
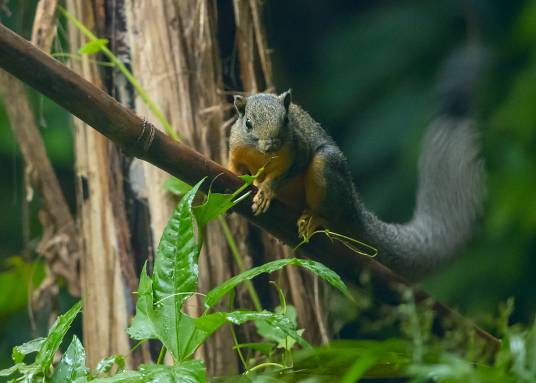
<point>304,168</point>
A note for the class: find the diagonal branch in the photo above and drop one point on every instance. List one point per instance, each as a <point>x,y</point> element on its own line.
<point>139,138</point>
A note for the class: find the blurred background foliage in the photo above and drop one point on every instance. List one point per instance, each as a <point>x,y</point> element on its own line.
<point>367,70</point>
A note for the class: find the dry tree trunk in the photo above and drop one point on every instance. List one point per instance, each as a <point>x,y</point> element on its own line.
<point>107,272</point>
<point>58,245</point>
<point>174,55</point>
<point>256,76</point>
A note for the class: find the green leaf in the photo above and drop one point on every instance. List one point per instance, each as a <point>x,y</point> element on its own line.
<point>72,366</point>
<point>209,323</point>
<point>11,370</point>
<point>122,377</point>
<point>269,332</point>
<point>19,352</point>
<point>15,276</point>
<point>192,371</point>
<point>142,326</point>
<point>215,295</point>
<point>57,332</point>
<point>176,271</point>
<point>176,186</point>
<point>175,278</point>
<point>105,365</point>
<point>215,205</point>
<point>93,46</point>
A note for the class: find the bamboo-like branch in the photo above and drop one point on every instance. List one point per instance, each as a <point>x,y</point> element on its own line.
<point>138,137</point>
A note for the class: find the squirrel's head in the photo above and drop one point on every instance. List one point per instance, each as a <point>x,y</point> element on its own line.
<point>264,119</point>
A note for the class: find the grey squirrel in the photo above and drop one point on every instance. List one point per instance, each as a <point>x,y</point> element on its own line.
<point>306,169</point>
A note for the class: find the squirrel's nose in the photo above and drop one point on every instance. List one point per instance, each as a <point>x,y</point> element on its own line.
<point>270,144</point>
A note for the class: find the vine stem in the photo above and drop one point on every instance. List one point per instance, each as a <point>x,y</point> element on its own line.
<point>124,70</point>
<point>240,263</point>
<point>162,354</point>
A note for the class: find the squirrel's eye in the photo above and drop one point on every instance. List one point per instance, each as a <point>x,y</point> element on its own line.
<point>249,125</point>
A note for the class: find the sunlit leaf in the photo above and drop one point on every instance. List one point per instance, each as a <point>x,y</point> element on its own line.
<point>19,352</point>
<point>176,186</point>
<point>192,371</point>
<point>72,366</point>
<point>92,47</point>
<point>105,365</point>
<point>57,332</point>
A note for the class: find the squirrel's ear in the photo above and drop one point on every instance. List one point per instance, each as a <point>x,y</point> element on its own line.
<point>286,98</point>
<point>240,104</point>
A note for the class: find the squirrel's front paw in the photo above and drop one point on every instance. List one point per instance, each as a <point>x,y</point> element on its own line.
<point>261,201</point>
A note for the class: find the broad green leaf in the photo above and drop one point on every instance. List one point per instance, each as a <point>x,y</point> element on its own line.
<point>269,332</point>
<point>215,205</point>
<point>105,365</point>
<point>176,186</point>
<point>57,332</point>
<point>192,371</point>
<point>175,277</point>
<point>209,323</point>
<point>214,296</point>
<point>122,377</point>
<point>92,47</point>
<point>19,352</point>
<point>142,326</point>
<point>72,366</point>
<point>175,274</point>
<point>154,323</point>
<point>324,273</point>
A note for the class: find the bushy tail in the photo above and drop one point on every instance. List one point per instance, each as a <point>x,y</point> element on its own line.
<point>451,181</point>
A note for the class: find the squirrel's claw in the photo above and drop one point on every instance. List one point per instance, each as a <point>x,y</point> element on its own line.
<point>308,223</point>
<point>261,201</point>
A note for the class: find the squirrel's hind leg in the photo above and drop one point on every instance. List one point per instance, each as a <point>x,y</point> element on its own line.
<point>327,191</point>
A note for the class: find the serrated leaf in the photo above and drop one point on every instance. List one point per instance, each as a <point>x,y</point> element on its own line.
<point>72,366</point>
<point>57,332</point>
<point>19,352</point>
<point>215,295</point>
<point>93,46</point>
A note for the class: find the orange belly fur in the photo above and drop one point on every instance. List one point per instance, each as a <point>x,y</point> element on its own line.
<point>247,158</point>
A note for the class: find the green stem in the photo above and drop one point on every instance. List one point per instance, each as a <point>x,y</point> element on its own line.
<point>137,345</point>
<point>240,263</point>
<point>263,365</point>
<point>124,70</point>
<point>237,347</point>
<point>162,354</point>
